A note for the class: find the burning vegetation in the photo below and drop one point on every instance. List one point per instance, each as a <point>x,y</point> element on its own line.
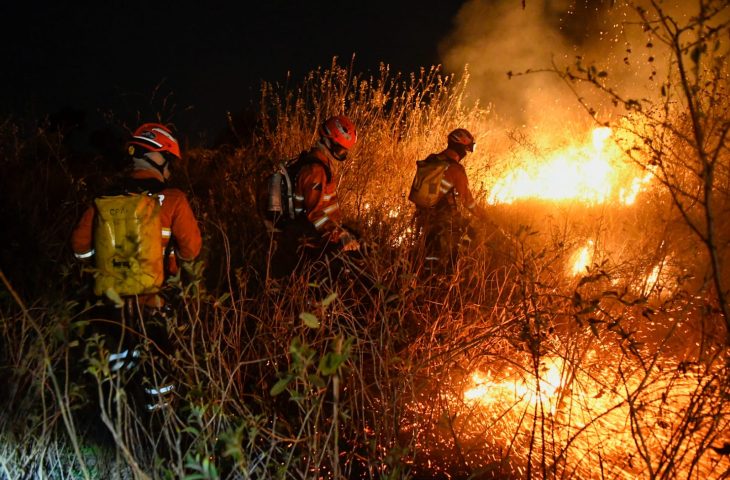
<point>583,334</point>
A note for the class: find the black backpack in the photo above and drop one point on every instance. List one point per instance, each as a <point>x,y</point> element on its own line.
<point>280,185</point>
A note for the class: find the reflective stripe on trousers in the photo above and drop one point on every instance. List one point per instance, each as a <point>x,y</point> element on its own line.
<point>159,396</point>
<point>119,359</point>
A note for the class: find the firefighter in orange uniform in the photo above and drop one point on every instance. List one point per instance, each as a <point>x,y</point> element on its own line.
<point>440,221</point>
<point>317,229</point>
<point>152,149</point>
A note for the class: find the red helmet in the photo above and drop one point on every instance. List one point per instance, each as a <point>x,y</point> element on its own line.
<point>340,130</point>
<point>461,138</point>
<point>153,137</point>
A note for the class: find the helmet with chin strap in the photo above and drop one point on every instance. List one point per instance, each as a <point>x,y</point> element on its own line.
<point>153,137</point>
<point>338,135</point>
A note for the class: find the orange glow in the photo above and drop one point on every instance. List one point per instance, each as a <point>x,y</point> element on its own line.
<point>582,259</point>
<point>588,408</point>
<point>528,388</point>
<point>592,171</point>
<point>660,281</point>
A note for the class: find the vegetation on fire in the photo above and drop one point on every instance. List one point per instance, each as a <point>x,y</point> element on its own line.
<point>514,367</point>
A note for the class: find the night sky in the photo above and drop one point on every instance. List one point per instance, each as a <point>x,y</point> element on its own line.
<point>111,55</point>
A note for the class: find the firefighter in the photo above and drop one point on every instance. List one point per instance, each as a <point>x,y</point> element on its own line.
<point>440,190</point>
<point>139,233</point>
<point>317,228</point>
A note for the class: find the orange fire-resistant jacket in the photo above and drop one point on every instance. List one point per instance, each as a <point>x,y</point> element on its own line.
<point>454,184</point>
<point>176,216</point>
<point>315,195</point>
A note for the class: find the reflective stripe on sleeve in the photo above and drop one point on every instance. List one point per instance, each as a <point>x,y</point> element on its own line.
<point>445,186</point>
<point>166,233</point>
<point>85,254</point>
<point>331,208</point>
<point>318,224</point>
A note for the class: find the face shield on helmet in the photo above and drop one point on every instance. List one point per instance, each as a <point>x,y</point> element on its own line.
<point>461,141</point>
<point>338,135</point>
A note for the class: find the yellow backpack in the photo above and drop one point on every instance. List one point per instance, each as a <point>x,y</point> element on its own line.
<point>426,186</point>
<point>128,244</point>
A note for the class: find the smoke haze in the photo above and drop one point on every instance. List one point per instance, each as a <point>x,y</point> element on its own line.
<point>493,37</point>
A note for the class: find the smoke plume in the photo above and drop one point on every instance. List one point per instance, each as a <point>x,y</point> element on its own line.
<point>494,37</point>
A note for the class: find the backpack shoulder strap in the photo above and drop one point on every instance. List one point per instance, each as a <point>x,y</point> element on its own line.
<point>301,161</point>
<point>149,185</point>
<point>132,186</point>
<point>431,159</point>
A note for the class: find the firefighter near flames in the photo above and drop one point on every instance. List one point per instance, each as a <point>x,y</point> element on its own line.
<point>591,345</point>
<point>440,191</point>
<point>301,207</point>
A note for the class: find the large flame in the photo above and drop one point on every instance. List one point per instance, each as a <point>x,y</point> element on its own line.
<point>588,411</point>
<point>592,171</point>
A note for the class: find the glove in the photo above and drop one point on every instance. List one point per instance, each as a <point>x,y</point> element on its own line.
<point>349,243</point>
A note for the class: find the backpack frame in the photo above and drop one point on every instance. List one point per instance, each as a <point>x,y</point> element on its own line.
<point>280,189</point>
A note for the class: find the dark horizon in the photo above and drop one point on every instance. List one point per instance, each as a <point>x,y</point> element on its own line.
<point>79,63</point>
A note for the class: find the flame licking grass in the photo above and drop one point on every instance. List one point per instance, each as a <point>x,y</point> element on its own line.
<point>592,171</point>
<point>580,421</point>
<point>530,388</point>
<point>592,410</point>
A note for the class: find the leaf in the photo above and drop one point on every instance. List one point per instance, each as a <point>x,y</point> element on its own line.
<point>330,298</point>
<point>316,380</point>
<point>191,430</point>
<point>112,295</point>
<point>281,385</point>
<point>329,364</point>
<point>347,346</point>
<point>222,299</point>
<point>309,319</point>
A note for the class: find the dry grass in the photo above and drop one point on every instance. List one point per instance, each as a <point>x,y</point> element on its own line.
<point>372,383</point>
